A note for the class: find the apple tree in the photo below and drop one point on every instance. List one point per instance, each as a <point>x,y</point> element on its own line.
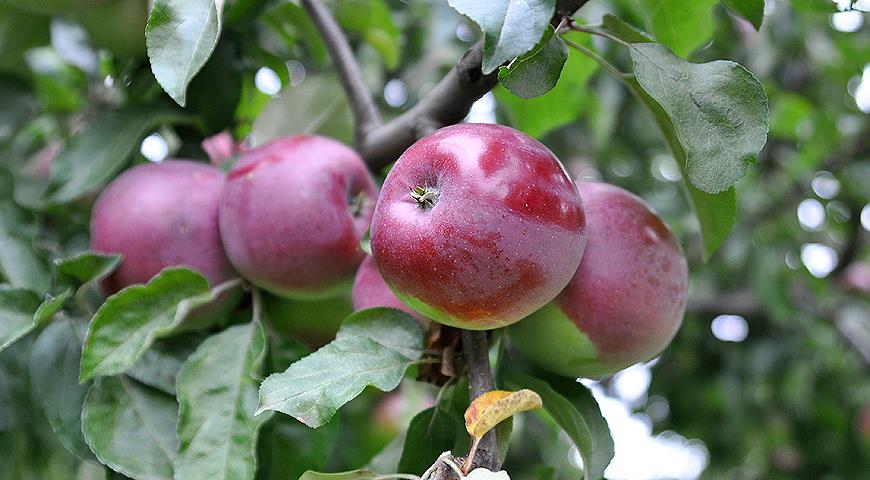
<point>376,239</point>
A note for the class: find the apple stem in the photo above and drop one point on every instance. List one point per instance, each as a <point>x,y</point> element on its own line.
<point>425,196</point>
<point>475,346</point>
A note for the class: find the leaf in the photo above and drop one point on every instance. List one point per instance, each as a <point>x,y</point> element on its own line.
<point>158,367</point>
<point>54,382</point>
<point>20,264</point>
<point>126,325</point>
<point>354,475</point>
<point>95,155</point>
<point>491,408</point>
<point>578,416</point>
<point>87,267</point>
<point>624,30</point>
<point>510,27</point>
<point>180,36</point>
<point>536,72</point>
<point>318,105</point>
<point>431,432</point>
<point>287,448</point>
<point>314,388</point>
<point>718,110</point>
<point>374,19</point>
<point>217,396</point>
<point>17,314</point>
<point>752,10</point>
<point>682,26</point>
<point>50,307</point>
<point>131,428</point>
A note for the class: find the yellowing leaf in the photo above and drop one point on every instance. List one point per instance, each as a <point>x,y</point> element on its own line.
<point>489,409</point>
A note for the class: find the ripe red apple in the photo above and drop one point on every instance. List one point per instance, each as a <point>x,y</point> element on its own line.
<point>292,215</point>
<point>627,299</point>
<point>370,291</point>
<point>162,215</point>
<point>477,226</point>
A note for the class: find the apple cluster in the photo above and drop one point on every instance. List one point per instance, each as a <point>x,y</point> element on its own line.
<point>475,226</point>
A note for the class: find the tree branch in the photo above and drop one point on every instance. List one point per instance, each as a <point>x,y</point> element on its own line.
<point>475,346</point>
<point>365,112</point>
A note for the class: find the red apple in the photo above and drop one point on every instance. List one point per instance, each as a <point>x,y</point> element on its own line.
<point>370,291</point>
<point>477,226</point>
<point>856,278</point>
<point>627,299</point>
<point>162,215</point>
<point>293,213</point>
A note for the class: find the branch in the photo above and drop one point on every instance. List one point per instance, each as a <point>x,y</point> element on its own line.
<point>475,345</point>
<point>366,116</point>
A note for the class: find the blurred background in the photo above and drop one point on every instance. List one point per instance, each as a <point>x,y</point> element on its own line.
<point>768,377</point>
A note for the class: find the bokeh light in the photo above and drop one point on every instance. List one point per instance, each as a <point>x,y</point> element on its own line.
<point>819,259</point>
<point>267,81</point>
<point>155,148</point>
<point>730,328</point>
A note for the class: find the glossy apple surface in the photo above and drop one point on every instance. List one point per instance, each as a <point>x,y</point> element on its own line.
<point>625,302</point>
<point>370,291</point>
<point>477,226</point>
<point>161,215</point>
<point>292,215</point>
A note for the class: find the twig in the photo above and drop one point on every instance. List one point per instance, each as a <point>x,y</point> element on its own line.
<point>362,104</point>
<point>475,346</point>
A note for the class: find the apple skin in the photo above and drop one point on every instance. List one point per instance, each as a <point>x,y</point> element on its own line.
<point>293,213</point>
<point>50,7</point>
<point>370,291</point>
<point>117,26</point>
<point>627,299</point>
<point>161,215</point>
<point>503,237</point>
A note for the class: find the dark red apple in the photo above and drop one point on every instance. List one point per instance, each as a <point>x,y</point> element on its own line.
<point>158,216</point>
<point>370,291</point>
<point>293,213</point>
<point>477,226</point>
<point>627,299</point>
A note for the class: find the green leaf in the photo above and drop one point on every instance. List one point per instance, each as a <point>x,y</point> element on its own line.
<point>158,367</point>
<point>180,36</point>
<point>682,26</point>
<point>536,72</point>
<point>624,30</point>
<point>50,307</point>
<point>752,10</point>
<point>20,263</point>
<point>563,104</point>
<point>577,413</point>
<point>126,325</point>
<point>718,110</point>
<point>354,475</point>
<point>19,32</point>
<point>373,19</point>
<point>288,448</point>
<point>431,432</point>
<point>217,396</point>
<point>17,314</point>
<point>318,105</point>
<point>95,155</point>
<point>510,27</point>
<point>88,267</point>
<point>375,349</point>
<point>54,381</point>
<point>131,428</point>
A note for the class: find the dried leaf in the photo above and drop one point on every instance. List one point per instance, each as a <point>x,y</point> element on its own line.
<point>490,409</point>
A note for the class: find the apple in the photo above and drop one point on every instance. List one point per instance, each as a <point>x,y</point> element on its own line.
<point>293,213</point>
<point>477,226</point>
<point>50,7</point>
<point>856,278</point>
<point>627,299</point>
<point>370,291</point>
<point>117,26</point>
<point>161,215</point>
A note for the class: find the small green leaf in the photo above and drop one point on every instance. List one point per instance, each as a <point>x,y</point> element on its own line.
<point>20,264</point>
<point>18,307</point>
<point>431,432</point>
<point>315,387</point>
<point>718,110</point>
<point>88,267</point>
<point>158,367</point>
<point>217,396</point>
<point>126,325</point>
<point>578,414</point>
<point>131,428</point>
<point>354,475</point>
<point>624,30</point>
<point>50,306</point>
<point>752,10</point>
<point>682,26</point>
<point>536,72</point>
<point>54,381</point>
<point>95,155</point>
<point>374,20</point>
<point>510,27</point>
<point>181,36</point>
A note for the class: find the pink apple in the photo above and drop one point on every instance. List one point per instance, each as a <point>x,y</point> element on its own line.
<point>625,302</point>
<point>370,291</point>
<point>158,216</point>
<point>477,226</point>
<point>293,213</point>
